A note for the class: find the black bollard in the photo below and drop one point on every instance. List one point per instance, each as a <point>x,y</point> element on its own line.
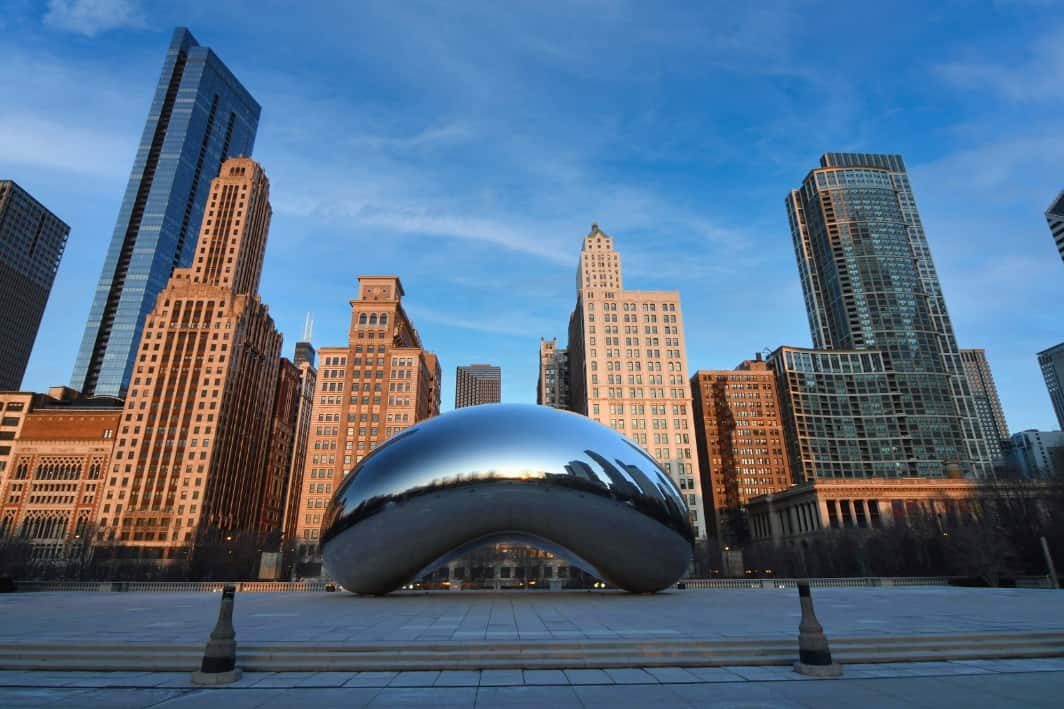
<point>219,659</point>
<point>814,655</point>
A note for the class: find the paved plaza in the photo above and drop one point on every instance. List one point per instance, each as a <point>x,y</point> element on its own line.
<point>972,684</point>
<point>535,615</point>
<point>422,618</point>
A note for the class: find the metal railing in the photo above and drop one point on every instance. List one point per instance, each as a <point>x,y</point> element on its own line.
<point>174,586</point>
<point>319,586</point>
<point>858,582</point>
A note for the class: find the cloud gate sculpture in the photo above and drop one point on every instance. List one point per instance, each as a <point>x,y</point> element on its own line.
<point>507,472</point>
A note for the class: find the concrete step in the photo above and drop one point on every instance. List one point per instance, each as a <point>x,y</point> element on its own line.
<point>293,657</point>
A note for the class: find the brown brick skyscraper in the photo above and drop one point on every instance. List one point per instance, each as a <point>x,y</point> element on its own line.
<point>740,440</point>
<point>191,459</point>
<point>477,384</point>
<point>382,382</point>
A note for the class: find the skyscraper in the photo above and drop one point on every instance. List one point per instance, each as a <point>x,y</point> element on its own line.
<point>870,284</point>
<point>621,381</point>
<point>987,404</point>
<point>308,377</point>
<point>32,240</point>
<point>477,384</point>
<point>842,414</point>
<point>381,383</point>
<point>200,116</point>
<point>741,445</point>
<point>1052,363</point>
<point>552,389</point>
<point>192,461</point>
<point>1055,217</point>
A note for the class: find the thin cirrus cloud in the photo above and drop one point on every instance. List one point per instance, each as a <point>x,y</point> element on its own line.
<point>1035,79</point>
<point>33,140</point>
<point>468,147</point>
<point>93,17</point>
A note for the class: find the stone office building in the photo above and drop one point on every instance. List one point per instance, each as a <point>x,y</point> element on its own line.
<point>192,455</point>
<point>56,471</point>
<point>382,382</point>
<point>628,366</point>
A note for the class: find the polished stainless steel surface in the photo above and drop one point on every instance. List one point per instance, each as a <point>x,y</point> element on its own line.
<point>507,472</point>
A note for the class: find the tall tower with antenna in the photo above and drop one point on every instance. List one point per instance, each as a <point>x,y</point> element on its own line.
<point>304,350</point>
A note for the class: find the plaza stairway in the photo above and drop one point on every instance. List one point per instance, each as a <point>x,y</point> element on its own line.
<point>532,654</point>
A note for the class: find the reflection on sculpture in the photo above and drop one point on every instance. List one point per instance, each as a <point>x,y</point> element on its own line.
<point>507,472</point>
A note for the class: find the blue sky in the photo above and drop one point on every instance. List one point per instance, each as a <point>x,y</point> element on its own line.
<point>469,146</point>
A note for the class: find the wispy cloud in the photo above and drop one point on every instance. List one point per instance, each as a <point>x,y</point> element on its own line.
<point>1035,79</point>
<point>998,170</point>
<point>92,17</point>
<point>36,140</point>
<point>503,322</point>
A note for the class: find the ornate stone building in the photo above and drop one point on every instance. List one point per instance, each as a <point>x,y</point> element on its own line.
<point>381,383</point>
<point>191,459</point>
<point>628,366</point>
<point>56,471</point>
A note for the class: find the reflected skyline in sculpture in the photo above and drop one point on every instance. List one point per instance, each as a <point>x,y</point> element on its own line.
<point>507,472</point>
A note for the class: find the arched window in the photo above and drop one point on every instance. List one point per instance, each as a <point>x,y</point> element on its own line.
<point>362,319</point>
<point>373,319</point>
<point>384,318</point>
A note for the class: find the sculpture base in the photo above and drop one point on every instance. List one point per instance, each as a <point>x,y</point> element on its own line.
<point>832,670</point>
<point>215,678</point>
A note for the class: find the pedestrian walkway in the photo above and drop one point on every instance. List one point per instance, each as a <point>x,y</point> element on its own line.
<point>972,684</point>
<point>187,618</point>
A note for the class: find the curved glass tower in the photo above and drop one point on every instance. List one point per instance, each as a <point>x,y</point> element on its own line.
<point>870,284</point>
<point>200,115</point>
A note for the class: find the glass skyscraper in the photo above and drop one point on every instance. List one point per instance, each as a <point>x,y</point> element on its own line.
<point>1055,219</point>
<point>32,240</point>
<point>1051,362</point>
<point>200,115</point>
<point>870,285</point>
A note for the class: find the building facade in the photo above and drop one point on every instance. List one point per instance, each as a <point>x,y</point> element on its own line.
<point>381,383</point>
<point>1038,454</point>
<point>628,366</point>
<point>57,471</point>
<point>477,384</point>
<point>281,445</point>
<point>987,404</point>
<point>841,415</point>
<point>308,376</point>
<point>32,240</point>
<point>200,115</point>
<point>1055,218</point>
<point>552,389</point>
<point>814,506</point>
<point>741,444</point>
<point>1051,362</point>
<point>14,405</point>
<point>870,285</point>
<point>192,455</point>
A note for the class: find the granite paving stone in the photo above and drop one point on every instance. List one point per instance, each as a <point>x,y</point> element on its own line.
<point>527,696</point>
<point>426,696</point>
<point>414,679</point>
<point>631,675</point>
<point>371,679</point>
<point>636,695</point>
<point>458,678</point>
<point>671,675</point>
<point>501,678</point>
<point>588,677</point>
